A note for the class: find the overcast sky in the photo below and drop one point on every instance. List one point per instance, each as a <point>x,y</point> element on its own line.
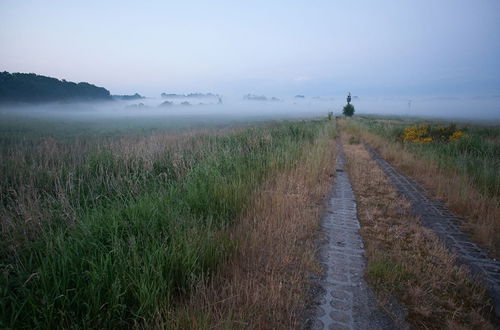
<point>376,48</point>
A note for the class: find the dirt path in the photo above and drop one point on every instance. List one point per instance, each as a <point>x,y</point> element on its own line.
<point>345,300</point>
<point>438,218</point>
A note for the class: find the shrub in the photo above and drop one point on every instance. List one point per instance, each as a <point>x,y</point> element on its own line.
<point>457,135</point>
<point>348,110</point>
<point>418,134</point>
<point>421,134</point>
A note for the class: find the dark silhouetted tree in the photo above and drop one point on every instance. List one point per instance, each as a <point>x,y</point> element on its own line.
<point>348,110</point>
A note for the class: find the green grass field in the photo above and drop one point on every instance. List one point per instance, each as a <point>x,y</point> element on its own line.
<point>105,223</point>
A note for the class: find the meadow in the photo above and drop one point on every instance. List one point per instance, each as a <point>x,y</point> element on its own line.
<point>461,169</point>
<point>105,223</point>
<point>212,222</point>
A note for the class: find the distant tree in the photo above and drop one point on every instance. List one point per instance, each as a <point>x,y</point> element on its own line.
<point>166,104</point>
<point>29,87</point>
<point>252,97</point>
<point>190,95</point>
<point>348,110</point>
<point>136,96</point>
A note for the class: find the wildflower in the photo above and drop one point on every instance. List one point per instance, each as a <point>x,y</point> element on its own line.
<point>457,135</point>
<point>417,134</point>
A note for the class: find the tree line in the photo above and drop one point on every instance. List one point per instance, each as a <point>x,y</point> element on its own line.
<point>30,87</point>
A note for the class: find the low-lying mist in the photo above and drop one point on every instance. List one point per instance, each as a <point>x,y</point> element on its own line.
<point>476,109</point>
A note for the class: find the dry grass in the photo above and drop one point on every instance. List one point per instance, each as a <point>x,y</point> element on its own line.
<point>264,284</point>
<point>408,261</point>
<point>480,212</point>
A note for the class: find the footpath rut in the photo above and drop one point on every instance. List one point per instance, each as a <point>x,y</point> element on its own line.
<point>345,300</point>
<point>438,218</point>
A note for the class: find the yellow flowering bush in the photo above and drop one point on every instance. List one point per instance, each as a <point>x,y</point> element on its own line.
<point>457,135</point>
<point>422,134</point>
<point>418,134</point>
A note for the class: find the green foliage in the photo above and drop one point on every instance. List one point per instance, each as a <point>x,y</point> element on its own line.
<point>138,236</point>
<point>330,115</point>
<point>348,110</point>
<point>443,133</point>
<point>29,87</point>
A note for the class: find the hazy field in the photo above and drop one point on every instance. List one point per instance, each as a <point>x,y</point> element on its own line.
<point>106,222</point>
<point>249,165</point>
<point>126,220</point>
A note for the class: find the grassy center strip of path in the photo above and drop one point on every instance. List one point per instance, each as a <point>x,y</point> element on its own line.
<point>121,261</point>
<point>406,260</point>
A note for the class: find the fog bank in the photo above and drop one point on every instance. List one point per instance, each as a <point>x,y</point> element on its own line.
<point>481,109</point>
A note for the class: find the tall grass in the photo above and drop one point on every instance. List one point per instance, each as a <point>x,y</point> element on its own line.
<point>477,155</point>
<point>464,174</point>
<point>264,285</point>
<point>406,260</point>
<point>106,233</point>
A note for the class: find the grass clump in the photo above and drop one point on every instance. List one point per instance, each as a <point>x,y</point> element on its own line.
<point>387,274</point>
<point>105,234</point>
<point>354,139</point>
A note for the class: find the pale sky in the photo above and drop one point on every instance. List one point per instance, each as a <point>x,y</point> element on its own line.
<point>377,48</point>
